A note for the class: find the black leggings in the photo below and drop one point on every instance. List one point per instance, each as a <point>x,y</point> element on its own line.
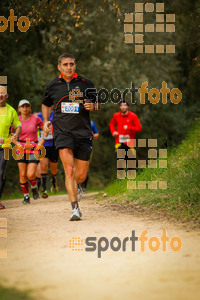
<point>3,163</point>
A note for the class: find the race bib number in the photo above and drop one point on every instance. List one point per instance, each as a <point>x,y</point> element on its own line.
<point>124,138</point>
<point>70,108</point>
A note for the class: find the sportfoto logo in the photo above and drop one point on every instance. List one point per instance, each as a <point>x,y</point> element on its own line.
<point>18,150</point>
<point>153,95</point>
<point>23,23</point>
<point>116,244</point>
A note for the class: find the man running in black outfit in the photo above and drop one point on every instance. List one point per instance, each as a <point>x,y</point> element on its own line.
<point>72,96</point>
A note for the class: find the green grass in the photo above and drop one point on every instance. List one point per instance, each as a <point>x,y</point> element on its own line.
<point>181,199</point>
<point>14,294</point>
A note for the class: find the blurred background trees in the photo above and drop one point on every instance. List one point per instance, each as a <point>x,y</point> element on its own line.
<point>94,32</point>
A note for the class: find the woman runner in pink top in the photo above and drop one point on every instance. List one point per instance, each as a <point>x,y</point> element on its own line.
<point>28,163</point>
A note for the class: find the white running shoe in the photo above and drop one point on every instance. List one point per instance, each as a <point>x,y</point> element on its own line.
<point>76,214</point>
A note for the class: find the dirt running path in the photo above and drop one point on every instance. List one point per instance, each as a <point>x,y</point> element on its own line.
<point>40,259</point>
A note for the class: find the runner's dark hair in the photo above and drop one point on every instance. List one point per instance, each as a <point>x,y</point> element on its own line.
<point>65,55</point>
<point>123,101</point>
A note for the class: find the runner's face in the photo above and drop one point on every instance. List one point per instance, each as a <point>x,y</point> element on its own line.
<point>123,107</point>
<point>25,109</point>
<point>67,67</point>
<point>3,95</point>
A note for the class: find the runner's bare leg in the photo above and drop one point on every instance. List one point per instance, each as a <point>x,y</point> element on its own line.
<point>22,172</point>
<point>81,170</point>
<point>44,165</point>
<point>67,158</point>
<point>53,168</point>
<point>31,171</point>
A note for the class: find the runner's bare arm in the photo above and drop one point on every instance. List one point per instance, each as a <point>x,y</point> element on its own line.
<point>43,138</point>
<point>15,136</point>
<point>46,111</point>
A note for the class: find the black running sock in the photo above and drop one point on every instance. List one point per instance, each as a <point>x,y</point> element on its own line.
<point>38,183</point>
<point>74,204</point>
<point>85,182</point>
<point>44,181</point>
<point>53,179</point>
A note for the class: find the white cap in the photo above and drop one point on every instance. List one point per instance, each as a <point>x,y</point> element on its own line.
<point>24,101</point>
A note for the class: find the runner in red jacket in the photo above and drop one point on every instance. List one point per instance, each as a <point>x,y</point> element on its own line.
<point>124,126</point>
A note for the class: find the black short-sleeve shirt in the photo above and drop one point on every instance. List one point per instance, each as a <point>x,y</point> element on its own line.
<point>70,116</point>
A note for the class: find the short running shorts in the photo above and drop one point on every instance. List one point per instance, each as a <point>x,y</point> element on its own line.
<point>52,154</point>
<point>82,147</point>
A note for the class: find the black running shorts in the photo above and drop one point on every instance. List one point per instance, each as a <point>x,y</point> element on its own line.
<point>25,159</point>
<point>82,147</point>
<point>52,154</point>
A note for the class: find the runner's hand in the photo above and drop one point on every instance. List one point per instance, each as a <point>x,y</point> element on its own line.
<point>47,127</point>
<point>14,138</point>
<point>115,133</point>
<point>89,106</point>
